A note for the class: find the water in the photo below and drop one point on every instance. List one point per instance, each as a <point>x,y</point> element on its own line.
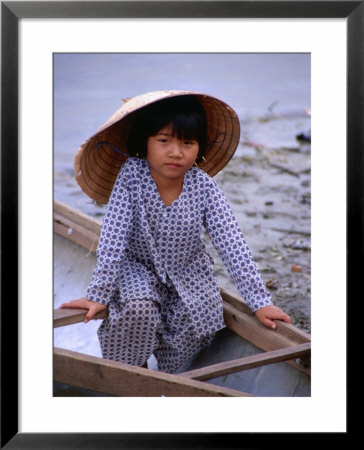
<point>268,180</point>
<point>88,88</point>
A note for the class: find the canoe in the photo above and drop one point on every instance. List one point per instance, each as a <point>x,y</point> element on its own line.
<point>245,358</point>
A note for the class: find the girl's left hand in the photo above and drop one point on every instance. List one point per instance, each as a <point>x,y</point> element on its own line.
<point>268,313</point>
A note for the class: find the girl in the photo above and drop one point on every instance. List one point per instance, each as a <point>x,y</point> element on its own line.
<point>153,272</point>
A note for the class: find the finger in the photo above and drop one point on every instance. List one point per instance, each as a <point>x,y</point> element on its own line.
<point>287,319</point>
<point>269,323</point>
<point>280,315</point>
<point>74,304</point>
<point>66,305</point>
<point>89,315</point>
<point>284,317</point>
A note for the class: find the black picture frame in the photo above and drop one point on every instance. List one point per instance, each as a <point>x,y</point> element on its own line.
<point>11,12</point>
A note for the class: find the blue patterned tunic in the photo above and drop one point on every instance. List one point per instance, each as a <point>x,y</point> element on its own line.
<point>146,246</point>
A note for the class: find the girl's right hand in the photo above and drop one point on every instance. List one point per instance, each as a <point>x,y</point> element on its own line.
<point>85,303</point>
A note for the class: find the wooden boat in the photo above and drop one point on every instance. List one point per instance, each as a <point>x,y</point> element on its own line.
<point>245,359</point>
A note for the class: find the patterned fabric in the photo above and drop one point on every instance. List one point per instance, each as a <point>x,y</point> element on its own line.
<point>151,251</point>
<point>132,332</point>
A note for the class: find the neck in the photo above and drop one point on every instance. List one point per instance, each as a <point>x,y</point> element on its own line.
<point>169,189</point>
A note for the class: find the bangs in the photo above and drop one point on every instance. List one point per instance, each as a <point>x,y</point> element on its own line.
<point>183,126</point>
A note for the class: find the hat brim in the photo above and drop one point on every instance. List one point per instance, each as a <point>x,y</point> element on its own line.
<point>99,159</point>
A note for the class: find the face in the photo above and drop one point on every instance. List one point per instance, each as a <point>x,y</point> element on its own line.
<point>170,158</point>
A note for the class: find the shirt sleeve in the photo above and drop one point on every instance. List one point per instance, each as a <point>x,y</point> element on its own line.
<point>113,241</point>
<point>227,237</point>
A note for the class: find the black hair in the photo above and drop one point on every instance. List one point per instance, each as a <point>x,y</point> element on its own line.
<point>186,115</point>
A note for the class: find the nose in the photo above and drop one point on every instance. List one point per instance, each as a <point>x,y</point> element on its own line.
<point>175,149</point>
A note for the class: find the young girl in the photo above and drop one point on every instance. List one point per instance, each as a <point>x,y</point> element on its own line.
<point>153,272</point>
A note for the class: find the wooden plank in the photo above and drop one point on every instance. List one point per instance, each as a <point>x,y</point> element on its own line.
<point>255,332</point>
<point>293,333</point>
<point>69,316</point>
<point>251,329</point>
<point>248,362</point>
<point>124,380</point>
<point>235,301</point>
<point>77,217</point>
<point>75,233</point>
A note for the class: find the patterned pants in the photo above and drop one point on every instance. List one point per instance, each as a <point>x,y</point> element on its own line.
<point>135,330</point>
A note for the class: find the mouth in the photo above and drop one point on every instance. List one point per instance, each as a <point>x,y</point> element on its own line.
<point>173,165</point>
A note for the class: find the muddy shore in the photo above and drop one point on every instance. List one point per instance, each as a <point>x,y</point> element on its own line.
<point>269,190</point>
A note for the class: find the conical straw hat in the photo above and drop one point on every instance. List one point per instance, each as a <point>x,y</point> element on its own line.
<point>98,160</point>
